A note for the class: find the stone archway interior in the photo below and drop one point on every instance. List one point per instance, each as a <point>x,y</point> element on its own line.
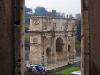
<point>48,51</point>
<point>69,48</point>
<point>59,48</point>
<point>69,52</point>
<point>48,54</point>
<point>59,45</point>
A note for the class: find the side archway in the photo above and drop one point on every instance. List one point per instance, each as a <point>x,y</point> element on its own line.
<point>69,48</point>
<point>48,54</point>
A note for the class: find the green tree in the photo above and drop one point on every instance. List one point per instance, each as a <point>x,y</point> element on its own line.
<point>78,35</point>
<point>78,23</point>
<point>28,14</point>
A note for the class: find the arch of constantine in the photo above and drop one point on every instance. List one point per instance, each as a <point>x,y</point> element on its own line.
<point>52,41</point>
<point>12,64</point>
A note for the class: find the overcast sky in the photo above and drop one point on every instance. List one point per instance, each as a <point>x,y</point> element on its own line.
<point>63,6</point>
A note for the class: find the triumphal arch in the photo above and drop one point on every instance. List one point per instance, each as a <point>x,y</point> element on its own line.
<point>52,40</point>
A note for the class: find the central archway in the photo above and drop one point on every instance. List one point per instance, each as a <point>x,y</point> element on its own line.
<point>59,49</point>
<point>59,45</point>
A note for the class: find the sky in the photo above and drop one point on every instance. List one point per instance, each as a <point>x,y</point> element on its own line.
<point>64,6</point>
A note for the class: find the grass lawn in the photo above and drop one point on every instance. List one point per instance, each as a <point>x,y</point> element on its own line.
<point>68,70</point>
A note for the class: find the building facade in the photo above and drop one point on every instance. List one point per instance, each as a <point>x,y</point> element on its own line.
<point>52,40</point>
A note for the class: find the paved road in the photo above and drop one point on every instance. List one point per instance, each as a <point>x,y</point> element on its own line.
<point>77,59</point>
<point>76,63</point>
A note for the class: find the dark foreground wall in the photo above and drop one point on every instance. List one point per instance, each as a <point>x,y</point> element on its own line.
<point>6,46</point>
<point>94,21</point>
<point>11,37</point>
<point>91,37</point>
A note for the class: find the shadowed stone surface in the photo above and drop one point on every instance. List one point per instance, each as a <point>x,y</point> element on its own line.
<point>6,65</point>
<point>91,37</point>
<point>11,43</point>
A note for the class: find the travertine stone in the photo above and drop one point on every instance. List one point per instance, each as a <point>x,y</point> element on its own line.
<point>44,33</point>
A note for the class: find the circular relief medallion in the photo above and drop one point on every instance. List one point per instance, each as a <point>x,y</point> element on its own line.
<point>36,21</point>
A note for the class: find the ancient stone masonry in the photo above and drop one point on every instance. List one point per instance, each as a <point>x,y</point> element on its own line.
<point>52,40</point>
